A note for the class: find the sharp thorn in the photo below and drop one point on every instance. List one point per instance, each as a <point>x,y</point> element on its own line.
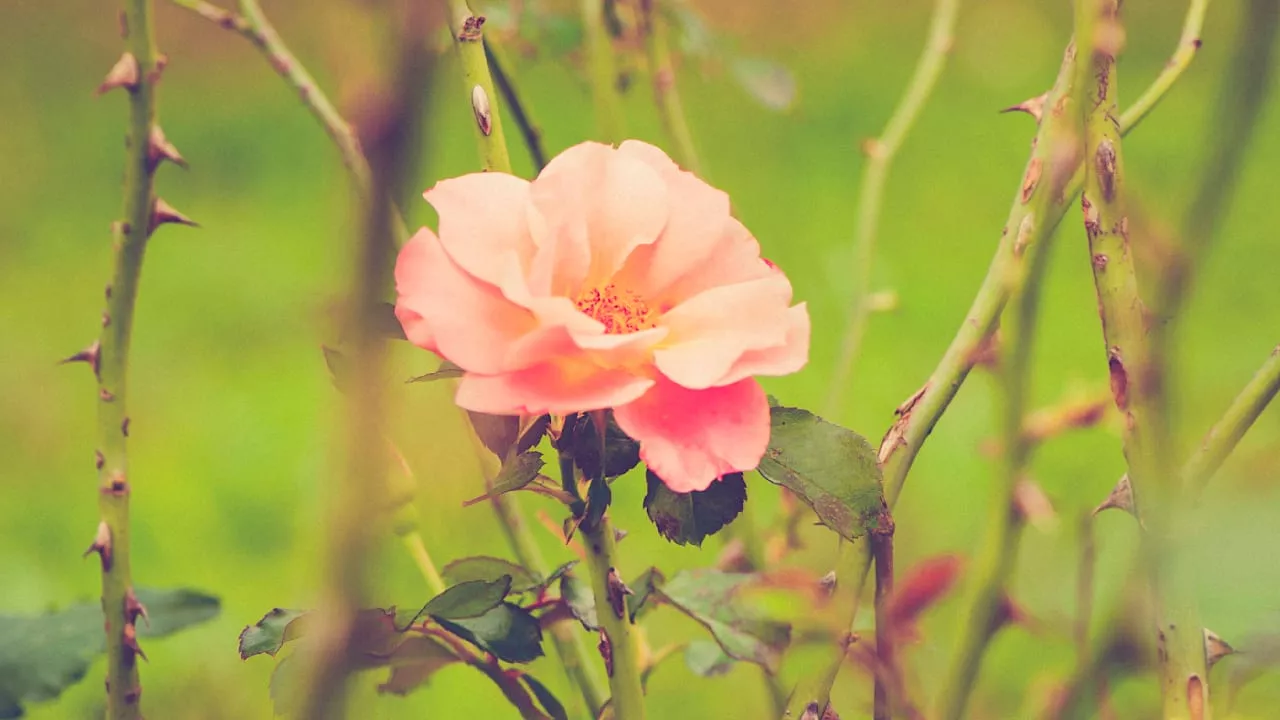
<point>1033,107</point>
<point>1215,648</point>
<point>1121,498</point>
<point>91,355</point>
<point>163,213</point>
<point>101,545</point>
<point>133,609</point>
<point>160,149</point>
<point>123,74</point>
<point>131,640</point>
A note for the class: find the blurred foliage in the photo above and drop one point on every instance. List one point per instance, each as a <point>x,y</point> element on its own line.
<point>234,410</point>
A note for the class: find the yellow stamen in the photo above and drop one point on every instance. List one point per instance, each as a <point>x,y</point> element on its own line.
<point>619,310</point>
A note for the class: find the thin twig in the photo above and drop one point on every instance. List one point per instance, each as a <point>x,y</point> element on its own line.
<point>1055,156</point>
<point>880,154</point>
<point>1227,432</point>
<point>886,666</point>
<point>665,92</point>
<point>393,132</point>
<point>602,70</point>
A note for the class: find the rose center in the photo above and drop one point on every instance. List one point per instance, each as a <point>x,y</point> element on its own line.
<point>619,310</point>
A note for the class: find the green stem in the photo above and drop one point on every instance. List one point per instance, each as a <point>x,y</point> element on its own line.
<point>920,413</point>
<point>361,489</point>
<point>886,669</point>
<point>880,153</point>
<point>418,551</point>
<point>521,114</point>
<point>1055,156</point>
<point>610,122</point>
<point>480,94</point>
<point>253,25</point>
<point>1136,369</point>
<point>109,357</point>
<point>617,633</point>
<point>665,92</point>
<point>1227,432</point>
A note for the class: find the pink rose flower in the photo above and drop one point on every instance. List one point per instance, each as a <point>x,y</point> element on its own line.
<point>613,280</point>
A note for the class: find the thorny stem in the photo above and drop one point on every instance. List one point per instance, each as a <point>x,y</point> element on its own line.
<point>252,24</point>
<point>610,123</point>
<point>880,153</point>
<point>521,114</point>
<point>665,93</point>
<point>1055,156</point>
<point>109,358</point>
<point>1136,368</point>
<point>1227,432</point>
<point>361,489</point>
<point>921,412</point>
<point>886,666</point>
<point>481,95</point>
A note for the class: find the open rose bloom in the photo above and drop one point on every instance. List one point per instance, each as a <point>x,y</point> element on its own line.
<point>614,280</point>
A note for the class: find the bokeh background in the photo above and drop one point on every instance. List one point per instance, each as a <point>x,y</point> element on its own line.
<point>234,415</point>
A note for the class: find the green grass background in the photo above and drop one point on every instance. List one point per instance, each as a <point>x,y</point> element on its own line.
<point>234,418</point>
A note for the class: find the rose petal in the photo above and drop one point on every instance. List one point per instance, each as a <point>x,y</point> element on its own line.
<point>484,217</point>
<point>734,258</point>
<point>594,207</point>
<point>689,438</point>
<point>560,387</point>
<point>448,311</point>
<point>712,330</point>
<point>782,359</point>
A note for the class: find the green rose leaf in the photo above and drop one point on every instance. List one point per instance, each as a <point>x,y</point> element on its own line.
<point>489,569</point>
<point>643,589</point>
<point>42,655</point>
<point>446,371</point>
<point>832,469</point>
<point>545,698</point>
<point>508,631</point>
<point>707,596</point>
<point>577,594</point>
<point>621,452</point>
<point>468,599</point>
<point>689,518</point>
<point>270,633</point>
<point>707,659</point>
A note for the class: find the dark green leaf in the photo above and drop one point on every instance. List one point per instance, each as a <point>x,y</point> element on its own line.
<point>707,659</point>
<point>707,596</point>
<point>599,495</point>
<point>556,574</point>
<point>42,655</point>
<point>446,371</point>
<point>489,569</point>
<point>508,631</point>
<point>518,472</point>
<point>545,698</point>
<point>832,469</point>
<point>413,663</point>
<point>621,452</point>
<point>497,432</point>
<point>689,518</point>
<point>643,590</point>
<point>532,433</point>
<point>577,595</point>
<point>469,599</point>
<point>271,632</point>
<point>771,84</point>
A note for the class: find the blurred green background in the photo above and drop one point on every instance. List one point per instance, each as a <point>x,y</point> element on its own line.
<point>234,415</point>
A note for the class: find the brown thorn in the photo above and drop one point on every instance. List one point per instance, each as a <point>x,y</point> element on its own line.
<point>131,640</point>
<point>91,355</point>
<point>1215,648</point>
<point>618,591</point>
<point>99,459</point>
<point>101,545</point>
<point>105,395</point>
<point>123,74</point>
<point>124,427</point>
<point>133,609</point>
<point>1121,498</point>
<point>1033,107</point>
<point>162,61</point>
<point>163,213</point>
<point>606,651</point>
<point>160,149</point>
